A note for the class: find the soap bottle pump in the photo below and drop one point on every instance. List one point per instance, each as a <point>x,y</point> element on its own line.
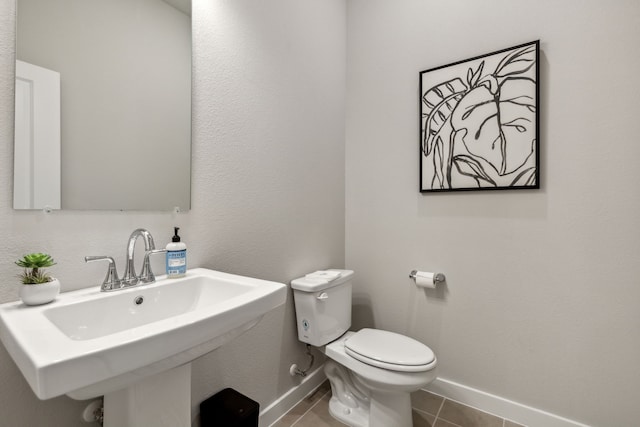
<point>176,256</point>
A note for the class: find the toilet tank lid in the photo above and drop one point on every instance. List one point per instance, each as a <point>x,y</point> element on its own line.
<point>310,283</point>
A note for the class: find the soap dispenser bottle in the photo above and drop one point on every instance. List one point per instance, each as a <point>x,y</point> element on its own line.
<point>176,256</point>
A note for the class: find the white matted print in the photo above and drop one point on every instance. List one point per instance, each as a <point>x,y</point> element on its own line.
<point>479,122</point>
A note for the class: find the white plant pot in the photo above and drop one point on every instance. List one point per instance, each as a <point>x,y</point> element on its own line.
<point>40,294</point>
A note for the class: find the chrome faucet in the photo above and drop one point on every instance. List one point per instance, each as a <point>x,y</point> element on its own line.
<point>130,278</point>
<point>112,282</point>
<point>146,275</point>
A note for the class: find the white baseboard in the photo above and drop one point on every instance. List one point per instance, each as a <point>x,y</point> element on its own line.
<point>281,406</point>
<point>505,408</point>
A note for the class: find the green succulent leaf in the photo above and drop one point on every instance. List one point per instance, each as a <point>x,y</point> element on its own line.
<point>35,260</point>
<point>32,264</point>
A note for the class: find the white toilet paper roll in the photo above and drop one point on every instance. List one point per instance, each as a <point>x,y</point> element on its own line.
<point>425,280</point>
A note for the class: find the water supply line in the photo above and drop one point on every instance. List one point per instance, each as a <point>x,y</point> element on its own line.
<point>294,370</point>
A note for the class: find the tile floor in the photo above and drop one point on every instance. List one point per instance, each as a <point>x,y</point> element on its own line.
<point>429,410</point>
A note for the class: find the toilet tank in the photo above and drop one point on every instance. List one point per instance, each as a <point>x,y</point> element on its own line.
<point>323,307</point>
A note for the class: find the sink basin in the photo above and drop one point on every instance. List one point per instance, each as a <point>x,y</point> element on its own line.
<point>88,343</point>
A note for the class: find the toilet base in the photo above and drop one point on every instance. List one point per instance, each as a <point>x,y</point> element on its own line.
<point>380,414</point>
<point>349,401</point>
<point>390,409</point>
<point>354,405</point>
<point>353,417</point>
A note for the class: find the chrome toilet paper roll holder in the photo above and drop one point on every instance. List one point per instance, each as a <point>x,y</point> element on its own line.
<point>437,277</point>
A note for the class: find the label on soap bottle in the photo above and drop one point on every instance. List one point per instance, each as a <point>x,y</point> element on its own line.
<point>177,263</point>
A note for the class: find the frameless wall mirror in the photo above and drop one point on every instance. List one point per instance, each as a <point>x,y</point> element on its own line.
<point>103,105</point>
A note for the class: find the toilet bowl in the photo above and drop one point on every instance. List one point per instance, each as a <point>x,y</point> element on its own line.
<point>372,372</point>
<point>367,395</point>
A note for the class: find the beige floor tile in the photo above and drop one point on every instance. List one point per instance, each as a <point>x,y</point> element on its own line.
<point>465,416</point>
<point>282,422</point>
<point>319,416</point>
<point>442,423</point>
<point>427,402</point>
<point>303,406</point>
<point>313,411</point>
<point>422,419</point>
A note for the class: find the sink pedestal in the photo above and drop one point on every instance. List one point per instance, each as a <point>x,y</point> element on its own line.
<point>161,400</point>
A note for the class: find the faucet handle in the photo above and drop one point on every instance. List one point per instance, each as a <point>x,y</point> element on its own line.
<point>146,275</point>
<point>111,280</point>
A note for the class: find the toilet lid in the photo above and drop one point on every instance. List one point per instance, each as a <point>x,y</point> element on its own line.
<point>389,350</point>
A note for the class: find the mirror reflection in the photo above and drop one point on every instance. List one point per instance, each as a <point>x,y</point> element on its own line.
<point>103,104</point>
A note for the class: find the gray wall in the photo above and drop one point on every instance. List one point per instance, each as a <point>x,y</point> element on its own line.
<point>543,292</point>
<point>268,186</point>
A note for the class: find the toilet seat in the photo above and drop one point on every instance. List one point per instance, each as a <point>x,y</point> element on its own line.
<point>388,350</point>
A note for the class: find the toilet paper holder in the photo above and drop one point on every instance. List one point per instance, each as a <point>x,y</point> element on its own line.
<point>437,277</point>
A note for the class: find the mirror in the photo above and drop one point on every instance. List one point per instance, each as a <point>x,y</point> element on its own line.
<point>118,135</point>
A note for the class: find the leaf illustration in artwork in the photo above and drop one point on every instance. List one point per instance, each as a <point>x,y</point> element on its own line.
<point>442,154</point>
<point>498,127</point>
<point>474,76</point>
<point>526,177</point>
<point>472,167</point>
<point>518,62</point>
<point>480,125</point>
<point>438,105</point>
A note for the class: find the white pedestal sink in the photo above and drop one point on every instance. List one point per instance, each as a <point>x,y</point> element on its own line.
<point>161,400</point>
<point>134,342</point>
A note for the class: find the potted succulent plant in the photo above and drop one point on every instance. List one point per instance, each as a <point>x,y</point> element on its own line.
<point>37,286</point>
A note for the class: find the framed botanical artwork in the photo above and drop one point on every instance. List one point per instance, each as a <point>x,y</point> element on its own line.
<point>479,122</point>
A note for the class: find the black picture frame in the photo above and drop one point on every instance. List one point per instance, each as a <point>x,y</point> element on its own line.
<point>479,122</point>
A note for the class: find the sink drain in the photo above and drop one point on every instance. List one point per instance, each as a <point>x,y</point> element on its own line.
<point>138,300</point>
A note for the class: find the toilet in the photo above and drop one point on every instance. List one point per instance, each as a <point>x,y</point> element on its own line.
<point>372,372</point>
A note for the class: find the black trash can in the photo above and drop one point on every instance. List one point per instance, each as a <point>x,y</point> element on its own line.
<point>229,408</point>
